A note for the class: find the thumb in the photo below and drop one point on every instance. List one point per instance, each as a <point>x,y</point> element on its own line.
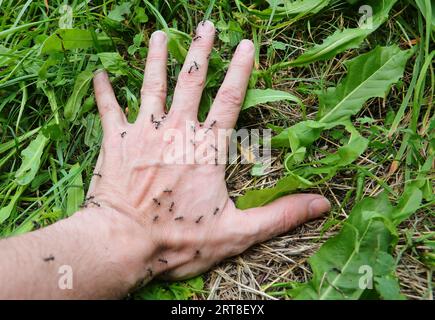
<point>282,215</point>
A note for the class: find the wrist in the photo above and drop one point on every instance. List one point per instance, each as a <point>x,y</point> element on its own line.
<point>126,247</point>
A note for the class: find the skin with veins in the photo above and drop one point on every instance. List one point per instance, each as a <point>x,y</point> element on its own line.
<point>136,176</point>
<point>157,204</point>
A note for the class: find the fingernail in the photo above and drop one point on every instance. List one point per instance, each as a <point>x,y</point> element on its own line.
<point>318,206</point>
<point>206,26</point>
<point>245,46</point>
<point>98,71</point>
<point>158,37</point>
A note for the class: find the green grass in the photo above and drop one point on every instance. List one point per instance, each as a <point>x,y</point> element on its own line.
<point>47,110</point>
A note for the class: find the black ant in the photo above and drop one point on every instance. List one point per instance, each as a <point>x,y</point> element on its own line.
<point>155,218</point>
<point>199,219</point>
<point>214,147</point>
<point>150,272</point>
<point>156,122</point>
<point>216,211</point>
<point>89,198</point>
<point>167,191</point>
<point>49,258</point>
<point>211,126</point>
<point>96,203</point>
<point>123,134</point>
<point>195,65</point>
<point>171,206</point>
<point>197,253</point>
<point>196,38</point>
<point>157,202</point>
<point>178,218</point>
<point>163,261</point>
<point>97,174</point>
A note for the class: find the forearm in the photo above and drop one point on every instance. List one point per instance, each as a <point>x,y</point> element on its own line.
<point>96,253</point>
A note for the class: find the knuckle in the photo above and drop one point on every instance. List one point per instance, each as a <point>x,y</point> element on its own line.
<point>231,96</point>
<point>227,115</point>
<point>179,238</point>
<point>242,236</point>
<point>155,57</point>
<point>193,80</point>
<point>288,221</point>
<point>202,45</point>
<point>155,88</point>
<point>107,108</point>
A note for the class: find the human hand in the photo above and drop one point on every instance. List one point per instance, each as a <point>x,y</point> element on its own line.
<point>184,208</point>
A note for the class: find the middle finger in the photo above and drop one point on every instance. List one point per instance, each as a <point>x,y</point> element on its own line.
<point>191,79</point>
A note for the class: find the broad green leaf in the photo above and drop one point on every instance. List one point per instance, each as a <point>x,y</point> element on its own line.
<point>80,89</point>
<point>68,39</point>
<point>94,131</point>
<point>388,288</point>
<point>259,96</point>
<point>342,40</point>
<point>294,157</point>
<point>369,75</point>
<point>229,32</point>
<point>120,12</point>
<point>409,202</point>
<point>133,105</point>
<point>6,211</point>
<point>162,290</point>
<point>256,198</point>
<point>140,16</point>
<point>344,156</point>
<point>279,9</point>
<point>299,135</point>
<point>113,62</point>
<point>424,181</point>
<point>177,44</point>
<point>75,194</point>
<point>348,153</point>
<point>25,227</point>
<point>31,159</point>
<point>346,264</point>
<point>339,41</point>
